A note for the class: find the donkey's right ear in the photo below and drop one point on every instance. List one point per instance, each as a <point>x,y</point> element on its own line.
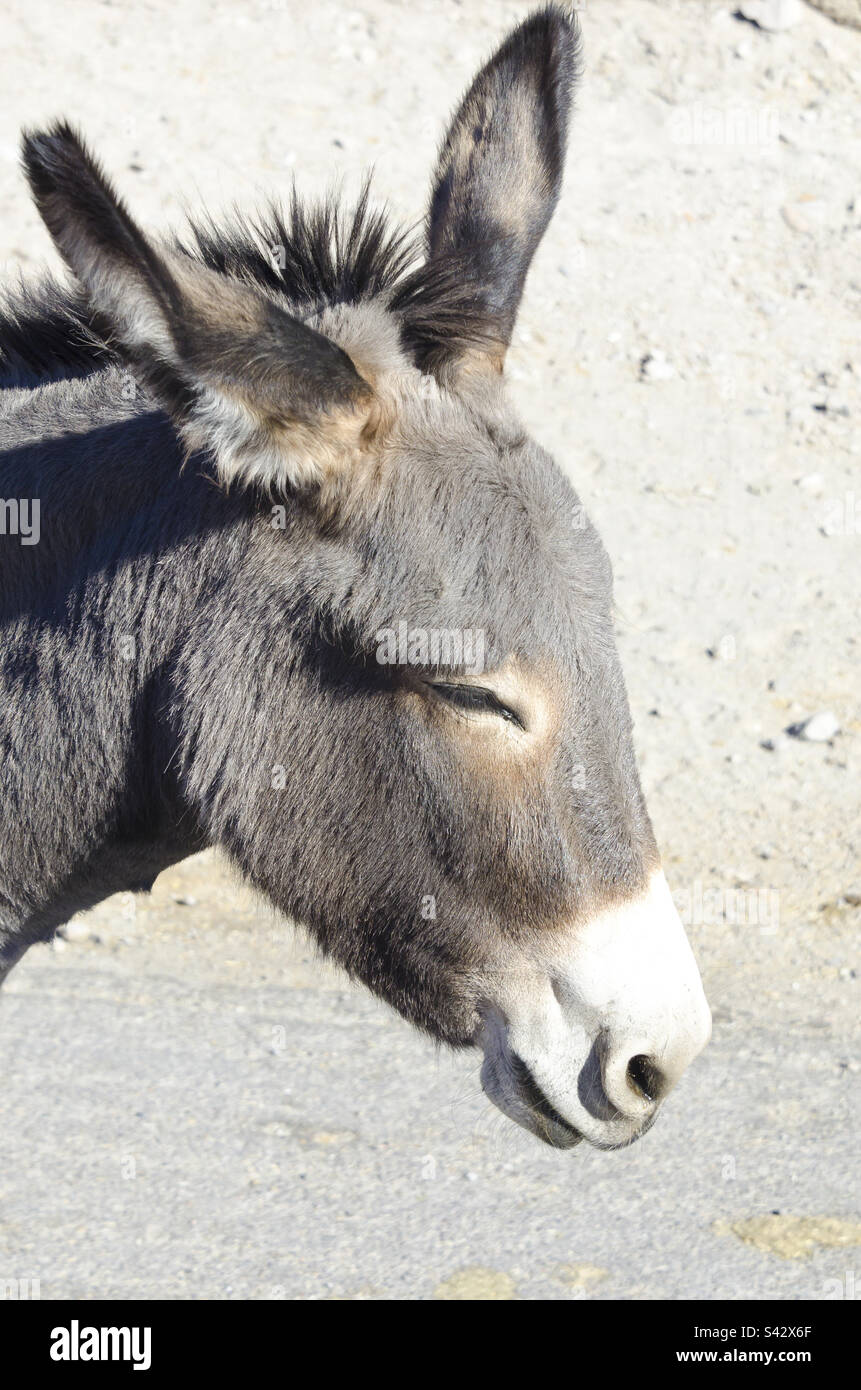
<point>499,171</point>
<point>274,400</point>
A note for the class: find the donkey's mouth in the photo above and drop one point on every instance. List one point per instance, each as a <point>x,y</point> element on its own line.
<point>514,1090</point>
<point>548,1124</point>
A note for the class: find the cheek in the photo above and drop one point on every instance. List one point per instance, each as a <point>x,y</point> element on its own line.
<point>490,812</point>
<point>511,846</point>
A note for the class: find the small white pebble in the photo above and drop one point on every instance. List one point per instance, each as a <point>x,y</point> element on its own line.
<point>812,483</point>
<point>655,367</point>
<point>772,15</point>
<point>818,728</point>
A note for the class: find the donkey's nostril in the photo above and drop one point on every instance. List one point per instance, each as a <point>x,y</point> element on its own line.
<point>645,1078</point>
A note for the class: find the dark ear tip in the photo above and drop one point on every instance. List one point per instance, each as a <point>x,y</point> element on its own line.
<point>47,153</point>
<point>559,24</point>
<point>548,43</point>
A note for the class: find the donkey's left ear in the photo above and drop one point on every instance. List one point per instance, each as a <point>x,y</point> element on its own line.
<point>274,400</point>
<point>499,171</point>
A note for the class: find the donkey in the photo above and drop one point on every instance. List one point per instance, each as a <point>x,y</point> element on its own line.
<point>305,590</point>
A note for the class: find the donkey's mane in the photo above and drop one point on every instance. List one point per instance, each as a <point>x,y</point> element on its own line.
<point>316,255</point>
<point>45,333</point>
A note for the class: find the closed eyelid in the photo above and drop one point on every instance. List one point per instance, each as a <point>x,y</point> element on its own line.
<point>479,699</point>
<point>531,695</point>
<point>469,698</point>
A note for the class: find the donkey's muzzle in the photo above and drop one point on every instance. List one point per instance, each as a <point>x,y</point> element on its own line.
<point>590,1045</point>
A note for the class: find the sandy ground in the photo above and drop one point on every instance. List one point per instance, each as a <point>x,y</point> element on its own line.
<point>193,1106</point>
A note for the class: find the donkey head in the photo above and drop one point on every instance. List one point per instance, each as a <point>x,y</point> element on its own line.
<point>425,646</point>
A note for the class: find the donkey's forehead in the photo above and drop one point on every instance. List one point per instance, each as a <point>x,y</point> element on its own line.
<point>371,336</point>
<point>455,531</point>
<point>471,521</point>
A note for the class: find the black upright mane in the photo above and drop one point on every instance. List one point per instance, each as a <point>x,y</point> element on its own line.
<point>45,334</point>
<point>316,255</point>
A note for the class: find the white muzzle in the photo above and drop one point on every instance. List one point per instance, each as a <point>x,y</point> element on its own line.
<point>587,1043</point>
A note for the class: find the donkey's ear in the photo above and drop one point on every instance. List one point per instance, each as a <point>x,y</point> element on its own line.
<point>499,171</point>
<point>274,400</point>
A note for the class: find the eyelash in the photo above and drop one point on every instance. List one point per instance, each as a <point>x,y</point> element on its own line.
<point>475,697</point>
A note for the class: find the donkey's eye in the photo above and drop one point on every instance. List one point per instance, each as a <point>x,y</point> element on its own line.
<point>476,699</point>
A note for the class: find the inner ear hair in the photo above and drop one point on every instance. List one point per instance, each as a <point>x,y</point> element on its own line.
<point>274,400</point>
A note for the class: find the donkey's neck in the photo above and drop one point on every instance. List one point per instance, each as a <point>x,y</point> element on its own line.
<point>100,471</point>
